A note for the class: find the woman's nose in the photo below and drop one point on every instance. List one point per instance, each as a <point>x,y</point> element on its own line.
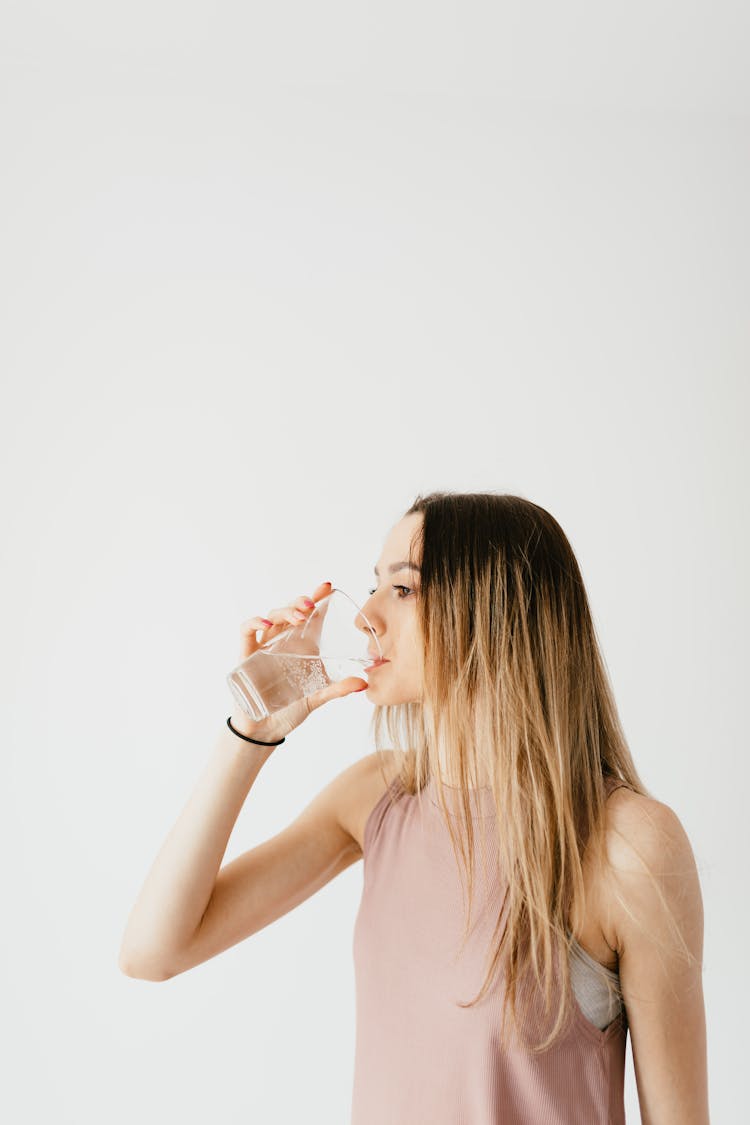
<point>368,622</point>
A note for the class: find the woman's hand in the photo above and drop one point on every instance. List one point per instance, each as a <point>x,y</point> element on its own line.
<point>278,725</point>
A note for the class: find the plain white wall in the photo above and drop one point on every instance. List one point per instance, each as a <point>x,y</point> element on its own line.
<point>268,272</point>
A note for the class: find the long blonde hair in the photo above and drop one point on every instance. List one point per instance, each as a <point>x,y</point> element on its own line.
<point>510,651</point>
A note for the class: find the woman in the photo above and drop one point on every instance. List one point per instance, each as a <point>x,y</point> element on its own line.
<point>504,1002</point>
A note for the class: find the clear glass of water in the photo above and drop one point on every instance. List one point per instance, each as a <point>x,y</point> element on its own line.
<point>334,642</point>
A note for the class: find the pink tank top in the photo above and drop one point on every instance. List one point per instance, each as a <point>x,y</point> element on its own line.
<point>419,1058</point>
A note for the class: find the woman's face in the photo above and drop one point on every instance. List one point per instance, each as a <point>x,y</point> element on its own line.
<point>391,611</point>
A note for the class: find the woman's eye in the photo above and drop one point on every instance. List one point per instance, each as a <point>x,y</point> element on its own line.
<point>401,596</point>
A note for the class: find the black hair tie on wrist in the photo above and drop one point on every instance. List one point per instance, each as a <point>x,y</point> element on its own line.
<point>247,737</point>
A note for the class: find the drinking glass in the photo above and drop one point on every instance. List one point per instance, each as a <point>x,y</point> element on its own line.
<point>323,649</point>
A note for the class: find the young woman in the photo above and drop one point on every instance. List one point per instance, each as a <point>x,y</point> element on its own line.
<point>526,901</point>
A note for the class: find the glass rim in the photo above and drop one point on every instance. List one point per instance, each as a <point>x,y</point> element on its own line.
<point>338,590</point>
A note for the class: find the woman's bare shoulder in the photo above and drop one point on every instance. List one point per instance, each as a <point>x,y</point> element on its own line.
<point>368,781</point>
<point>635,824</point>
<point>644,838</point>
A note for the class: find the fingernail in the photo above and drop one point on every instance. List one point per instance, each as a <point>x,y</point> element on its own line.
<point>308,601</point>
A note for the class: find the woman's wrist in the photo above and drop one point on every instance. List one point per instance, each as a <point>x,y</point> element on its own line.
<point>242,722</point>
<point>247,732</point>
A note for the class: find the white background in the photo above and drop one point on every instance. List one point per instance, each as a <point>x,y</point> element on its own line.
<point>268,272</point>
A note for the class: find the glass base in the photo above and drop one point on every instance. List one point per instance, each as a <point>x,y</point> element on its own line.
<point>247,697</point>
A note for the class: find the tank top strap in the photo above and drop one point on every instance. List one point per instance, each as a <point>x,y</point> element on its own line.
<point>611,783</point>
<point>378,813</point>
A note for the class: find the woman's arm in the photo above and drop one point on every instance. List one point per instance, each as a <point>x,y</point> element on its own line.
<point>660,959</point>
<point>176,892</point>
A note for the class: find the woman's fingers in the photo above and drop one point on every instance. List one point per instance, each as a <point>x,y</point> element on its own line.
<point>321,591</point>
<point>248,635</point>
<point>301,608</point>
<point>277,620</point>
<point>305,604</point>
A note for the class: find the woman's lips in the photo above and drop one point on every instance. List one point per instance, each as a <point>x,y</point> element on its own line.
<point>375,664</point>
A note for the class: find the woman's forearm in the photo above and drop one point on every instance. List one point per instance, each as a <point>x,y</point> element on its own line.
<point>179,885</point>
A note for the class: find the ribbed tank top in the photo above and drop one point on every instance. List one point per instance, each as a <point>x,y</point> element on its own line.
<point>419,1058</point>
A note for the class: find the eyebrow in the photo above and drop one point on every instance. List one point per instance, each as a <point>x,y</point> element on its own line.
<point>399,566</point>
